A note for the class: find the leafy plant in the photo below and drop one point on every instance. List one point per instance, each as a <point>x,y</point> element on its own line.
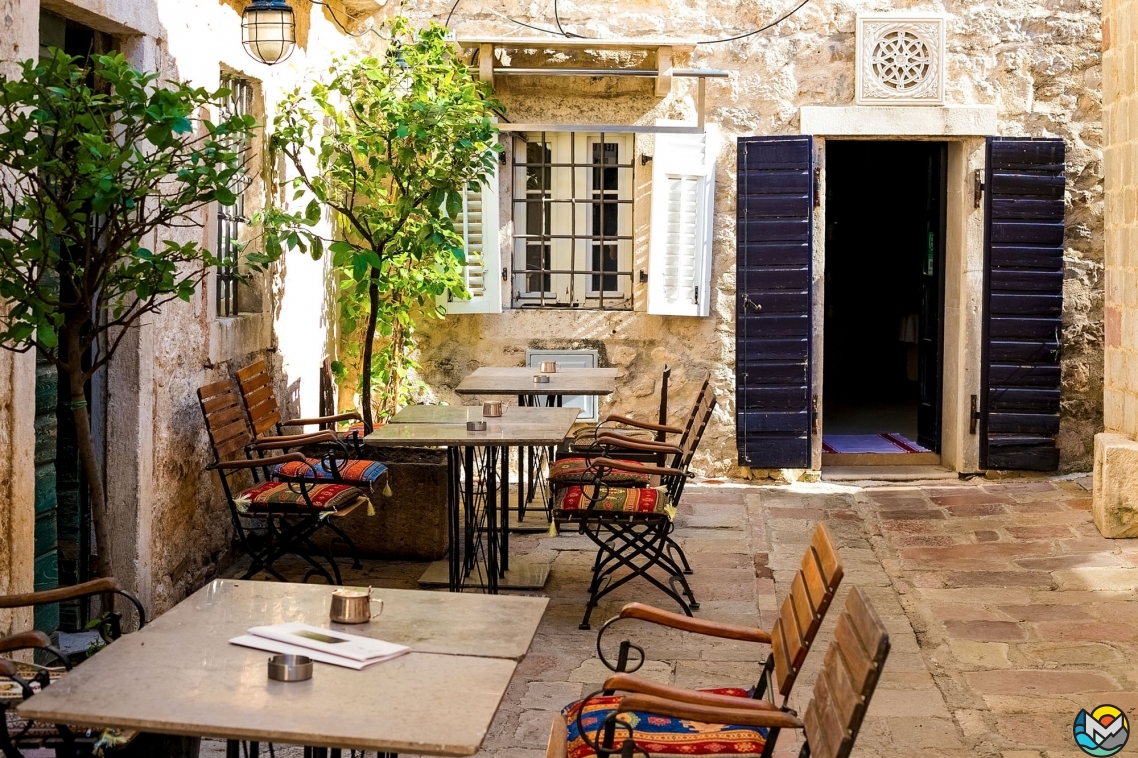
<point>395,143</point>
<point>96,161</point>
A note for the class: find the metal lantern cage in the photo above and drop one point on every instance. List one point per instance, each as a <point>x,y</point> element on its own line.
<point>268,31</point>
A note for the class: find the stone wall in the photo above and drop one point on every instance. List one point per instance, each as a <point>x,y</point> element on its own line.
<point>1116,454</point>
<point>1037,61</point>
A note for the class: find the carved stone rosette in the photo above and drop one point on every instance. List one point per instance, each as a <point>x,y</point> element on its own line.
<point>900,60</point>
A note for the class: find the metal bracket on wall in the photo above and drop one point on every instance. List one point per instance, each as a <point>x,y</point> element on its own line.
<point>977,187</point>
<point>815,416</point>
<point>817,187</point>
<point>974,417</point>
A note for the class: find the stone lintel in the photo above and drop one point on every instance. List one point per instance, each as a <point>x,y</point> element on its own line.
<point>1115,504</point>
<point>122,17</point>
<point>898,120</point>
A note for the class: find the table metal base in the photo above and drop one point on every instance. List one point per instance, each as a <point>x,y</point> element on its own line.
<point>233,749</point>
<point>524,574</point>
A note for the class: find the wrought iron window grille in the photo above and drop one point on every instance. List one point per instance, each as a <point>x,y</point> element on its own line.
<point>572,202</point>
<point>231,218</point>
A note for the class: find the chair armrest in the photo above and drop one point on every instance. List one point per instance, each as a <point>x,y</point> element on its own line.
<point>24,641</point>
<point>619,440</point>
<point>7,668</point>
<point>636,468</point>
<point>324,419</point>
<point>641,686</point>
<point>283,441</point>
<point>86,589</point>
<point>688,624</point>
<point>708,714</point>
<point>259,462</point>
<point>618,419</point>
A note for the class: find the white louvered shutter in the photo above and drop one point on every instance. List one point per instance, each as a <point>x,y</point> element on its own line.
<point>683,202</point>
<point>478,225</point>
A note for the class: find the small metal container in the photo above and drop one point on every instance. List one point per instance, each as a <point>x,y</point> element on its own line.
<point>492,408</point>
<point>290,668</point>
<point>548,367</point>
<point>475,426</point>
<point>541,379</point>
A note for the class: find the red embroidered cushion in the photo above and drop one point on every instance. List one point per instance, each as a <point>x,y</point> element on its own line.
<point>576,471</point>
<point>616,499</point>
<point>283,496</point>
<point>663,735</point>
<point>351,472</point>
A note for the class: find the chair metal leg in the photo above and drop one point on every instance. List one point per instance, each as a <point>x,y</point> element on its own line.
<point>343,536</point>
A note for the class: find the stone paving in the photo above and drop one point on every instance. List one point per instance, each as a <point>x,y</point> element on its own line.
<point>1006,610</point>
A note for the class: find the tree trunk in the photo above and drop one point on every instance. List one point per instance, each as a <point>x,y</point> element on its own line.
<point>369,347</point>
<point>395,370</point>
<point>86,442</point>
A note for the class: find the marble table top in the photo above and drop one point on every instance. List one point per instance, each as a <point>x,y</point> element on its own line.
<point>512,415</point>
<point>180,675</point>
<point>548,426</point>
<point>518,380</point>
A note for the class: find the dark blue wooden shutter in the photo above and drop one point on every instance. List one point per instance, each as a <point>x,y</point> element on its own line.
<point>1023,246</point>
<point>774,238</point>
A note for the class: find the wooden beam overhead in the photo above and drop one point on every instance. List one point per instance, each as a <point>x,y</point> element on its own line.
<point>557,43</point>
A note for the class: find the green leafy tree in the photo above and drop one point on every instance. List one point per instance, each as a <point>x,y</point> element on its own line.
<point>387,146</point>
<point>98,160</point>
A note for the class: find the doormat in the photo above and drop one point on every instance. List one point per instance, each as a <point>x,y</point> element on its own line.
<point>890,442</point>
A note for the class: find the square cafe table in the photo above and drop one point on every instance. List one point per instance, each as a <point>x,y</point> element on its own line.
<point>518,380</point>
<point>179,675</point>
<point>477,502</point>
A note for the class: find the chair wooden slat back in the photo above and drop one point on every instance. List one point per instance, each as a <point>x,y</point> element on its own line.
<point>258,396</point>
<point>696,423</point>
<point>800,616</point>
<point>848,677</point>
<point>225,419</point>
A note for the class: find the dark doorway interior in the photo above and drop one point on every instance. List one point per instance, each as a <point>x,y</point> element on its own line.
<point>884,296</point>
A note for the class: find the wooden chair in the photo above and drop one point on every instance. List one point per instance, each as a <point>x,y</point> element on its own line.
<point>657,720</point>
<point>18,734</point>
<point>340,455</point>
<point>790,639</point>
<point>584,441</point>
<point>632,526</point>
<point>273,518</point>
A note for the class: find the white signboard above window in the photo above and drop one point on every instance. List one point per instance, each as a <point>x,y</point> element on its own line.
<point>900,59</point>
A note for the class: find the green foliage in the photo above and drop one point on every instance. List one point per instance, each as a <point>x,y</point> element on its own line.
<point>394,142</point>
<point>96,161</point>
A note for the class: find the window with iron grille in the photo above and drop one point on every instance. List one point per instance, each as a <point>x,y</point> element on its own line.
<point>573,211</point>
<point>231,218</point>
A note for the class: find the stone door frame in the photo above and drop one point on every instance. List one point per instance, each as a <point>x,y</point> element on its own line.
<point>964,129</point>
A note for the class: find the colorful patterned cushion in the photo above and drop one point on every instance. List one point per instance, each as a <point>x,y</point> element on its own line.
<point>664,735</point>
<point>616,499</point>
<point>576,471</point>
<point>283,496</point>
<point>351,472</point>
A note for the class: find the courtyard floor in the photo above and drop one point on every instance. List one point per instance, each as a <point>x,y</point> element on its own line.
<point>1007,611</point>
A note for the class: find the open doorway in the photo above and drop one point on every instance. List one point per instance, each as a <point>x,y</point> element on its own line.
<point>884,302</point>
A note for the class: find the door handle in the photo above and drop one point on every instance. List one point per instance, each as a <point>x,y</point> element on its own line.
<point>749,304</point>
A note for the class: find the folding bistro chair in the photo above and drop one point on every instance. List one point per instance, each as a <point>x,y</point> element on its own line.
<point>584,441</point>
<point>799,619</point>
<point>24,679</point>
<point>340,460</point>
<point>272,518</point>
<point>632,526</point>
<point>661,721</point>
<point>611,442</point>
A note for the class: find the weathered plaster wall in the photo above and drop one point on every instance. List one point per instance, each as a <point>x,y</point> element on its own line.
<point>1036,61</point>
<point>18,38</point>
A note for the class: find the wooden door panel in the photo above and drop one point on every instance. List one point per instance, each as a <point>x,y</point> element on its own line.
<point>1023,304</point>
<point>774,236</point>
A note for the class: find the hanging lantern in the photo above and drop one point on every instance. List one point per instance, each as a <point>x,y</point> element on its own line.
<point>268,30</point>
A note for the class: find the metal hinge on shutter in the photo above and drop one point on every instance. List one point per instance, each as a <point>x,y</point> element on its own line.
<point>697,294</point>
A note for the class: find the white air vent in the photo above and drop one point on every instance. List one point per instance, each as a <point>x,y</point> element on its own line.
<point>571,359</point>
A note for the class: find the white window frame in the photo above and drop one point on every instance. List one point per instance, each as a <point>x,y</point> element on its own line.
<point>570,244</point>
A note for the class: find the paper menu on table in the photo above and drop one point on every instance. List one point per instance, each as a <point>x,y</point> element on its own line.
<point>330,642</point>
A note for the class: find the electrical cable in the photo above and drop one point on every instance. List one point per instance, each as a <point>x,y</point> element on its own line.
<point>345,29</point>
<point>557,19</point>
<point>772,24</point>
<point>456,2</point>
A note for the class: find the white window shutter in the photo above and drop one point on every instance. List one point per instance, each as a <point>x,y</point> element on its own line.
<point>683,204</point>
<point>478,224</point>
